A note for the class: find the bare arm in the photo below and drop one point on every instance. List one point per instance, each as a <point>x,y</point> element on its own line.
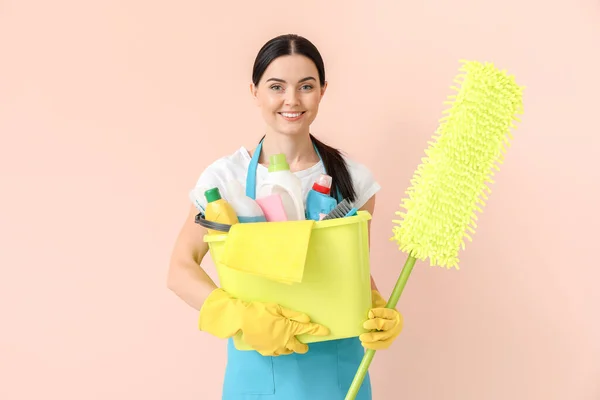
<point>370,207</point>
<point>185,277</point>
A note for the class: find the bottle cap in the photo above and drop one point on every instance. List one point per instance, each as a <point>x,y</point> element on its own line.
<point>278,162</point>
<point>323,184</point>
<point>212,195</point>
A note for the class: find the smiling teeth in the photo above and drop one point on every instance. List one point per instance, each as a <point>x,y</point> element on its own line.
<point>291,115</point>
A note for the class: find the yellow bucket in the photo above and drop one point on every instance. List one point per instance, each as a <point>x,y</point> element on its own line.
<point>332,285</point>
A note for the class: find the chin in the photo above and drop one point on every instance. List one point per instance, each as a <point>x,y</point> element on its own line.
<point>287,131</point>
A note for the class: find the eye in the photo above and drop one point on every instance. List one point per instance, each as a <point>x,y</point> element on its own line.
<point>307,87</point>
<point>276,87</point>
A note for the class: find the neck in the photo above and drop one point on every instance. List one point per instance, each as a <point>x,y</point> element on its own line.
<point>298,149</point>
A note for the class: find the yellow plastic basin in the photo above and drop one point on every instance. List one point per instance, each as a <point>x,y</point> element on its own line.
<point>335,286</point>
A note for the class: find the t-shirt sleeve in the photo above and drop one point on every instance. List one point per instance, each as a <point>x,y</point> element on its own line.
<point>208,179</point>
<point>364,182</point>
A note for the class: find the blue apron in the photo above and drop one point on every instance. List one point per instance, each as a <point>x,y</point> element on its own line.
<point>325,372</point>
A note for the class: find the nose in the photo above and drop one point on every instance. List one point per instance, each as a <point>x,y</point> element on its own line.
<point>291,98</point>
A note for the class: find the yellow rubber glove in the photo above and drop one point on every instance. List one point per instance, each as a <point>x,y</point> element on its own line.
<point>268,327</point>
<point>385,324</point>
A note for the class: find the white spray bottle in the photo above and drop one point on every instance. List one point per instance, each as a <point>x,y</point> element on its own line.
<point>282,181</point>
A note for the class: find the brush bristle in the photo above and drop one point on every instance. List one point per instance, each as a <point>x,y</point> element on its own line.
<point>449,187</point>
<point>340,210</point>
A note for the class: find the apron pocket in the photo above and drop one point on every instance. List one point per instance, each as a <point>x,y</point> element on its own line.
<point>247,373</point>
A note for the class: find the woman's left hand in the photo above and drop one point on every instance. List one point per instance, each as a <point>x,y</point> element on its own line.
<point>384,324</point>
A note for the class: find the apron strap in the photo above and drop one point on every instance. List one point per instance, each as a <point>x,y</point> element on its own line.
<point>253,166</point>
<point>251,173</point>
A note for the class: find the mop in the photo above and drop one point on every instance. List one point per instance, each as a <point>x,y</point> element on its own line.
<point>451,183</point>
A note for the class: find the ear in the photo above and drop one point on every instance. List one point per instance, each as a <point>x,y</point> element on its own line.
<point>254,93</point>
<point>323,89</point>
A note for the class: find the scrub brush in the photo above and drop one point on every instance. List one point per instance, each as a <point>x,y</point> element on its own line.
<point>342,210</point>
<point>450,184</point>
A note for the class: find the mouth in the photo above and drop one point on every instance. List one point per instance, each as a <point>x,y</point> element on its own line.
<point>292,116</point>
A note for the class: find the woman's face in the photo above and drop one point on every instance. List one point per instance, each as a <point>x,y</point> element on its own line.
<point>289,94</point>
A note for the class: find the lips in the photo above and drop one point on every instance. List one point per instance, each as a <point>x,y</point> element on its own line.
<point>292,116</point>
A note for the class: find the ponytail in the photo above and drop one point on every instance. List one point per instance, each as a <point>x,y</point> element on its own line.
<point>336,167</point>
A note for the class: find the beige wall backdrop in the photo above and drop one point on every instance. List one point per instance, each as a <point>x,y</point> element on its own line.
<point>109,111</point>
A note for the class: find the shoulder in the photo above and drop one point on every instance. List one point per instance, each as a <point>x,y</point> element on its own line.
<point>365,182</point>
<point>220,171</point>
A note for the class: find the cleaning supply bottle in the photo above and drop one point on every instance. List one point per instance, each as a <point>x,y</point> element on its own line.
<point>272,207</point>
<point>281,180</point>
<point>247,210</point>
<point>218,210</point>
<point>319,200</point>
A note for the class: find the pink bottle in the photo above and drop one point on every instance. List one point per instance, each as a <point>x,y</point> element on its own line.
<point>272,207</point>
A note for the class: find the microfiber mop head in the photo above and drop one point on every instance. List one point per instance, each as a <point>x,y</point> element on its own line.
<point>450,184</point>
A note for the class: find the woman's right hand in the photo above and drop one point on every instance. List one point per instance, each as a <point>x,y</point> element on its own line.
<point>268,328</point>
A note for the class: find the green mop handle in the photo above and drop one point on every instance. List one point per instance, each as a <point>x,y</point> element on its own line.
<point>369,354</point>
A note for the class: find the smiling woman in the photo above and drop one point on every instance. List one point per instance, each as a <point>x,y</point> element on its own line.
<point>288,79</point>
<point>288,96</point>
<point>288,84</point>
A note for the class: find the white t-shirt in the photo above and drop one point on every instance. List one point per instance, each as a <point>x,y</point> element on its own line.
<point>235,167</point>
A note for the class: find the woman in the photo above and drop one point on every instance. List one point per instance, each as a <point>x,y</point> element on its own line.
<point>288,83</point>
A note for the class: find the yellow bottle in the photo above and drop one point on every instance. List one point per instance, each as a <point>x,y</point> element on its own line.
<point>218,210</point>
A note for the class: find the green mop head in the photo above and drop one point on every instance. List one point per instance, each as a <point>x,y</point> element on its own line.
<point>450,185</point>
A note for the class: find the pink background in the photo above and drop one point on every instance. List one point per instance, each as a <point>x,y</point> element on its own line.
<point>110,110</point>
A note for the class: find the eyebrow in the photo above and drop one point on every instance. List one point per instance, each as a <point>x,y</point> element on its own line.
<point>308,78</point>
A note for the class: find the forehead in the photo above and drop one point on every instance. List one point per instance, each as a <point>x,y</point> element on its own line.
<point>291,68</point>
